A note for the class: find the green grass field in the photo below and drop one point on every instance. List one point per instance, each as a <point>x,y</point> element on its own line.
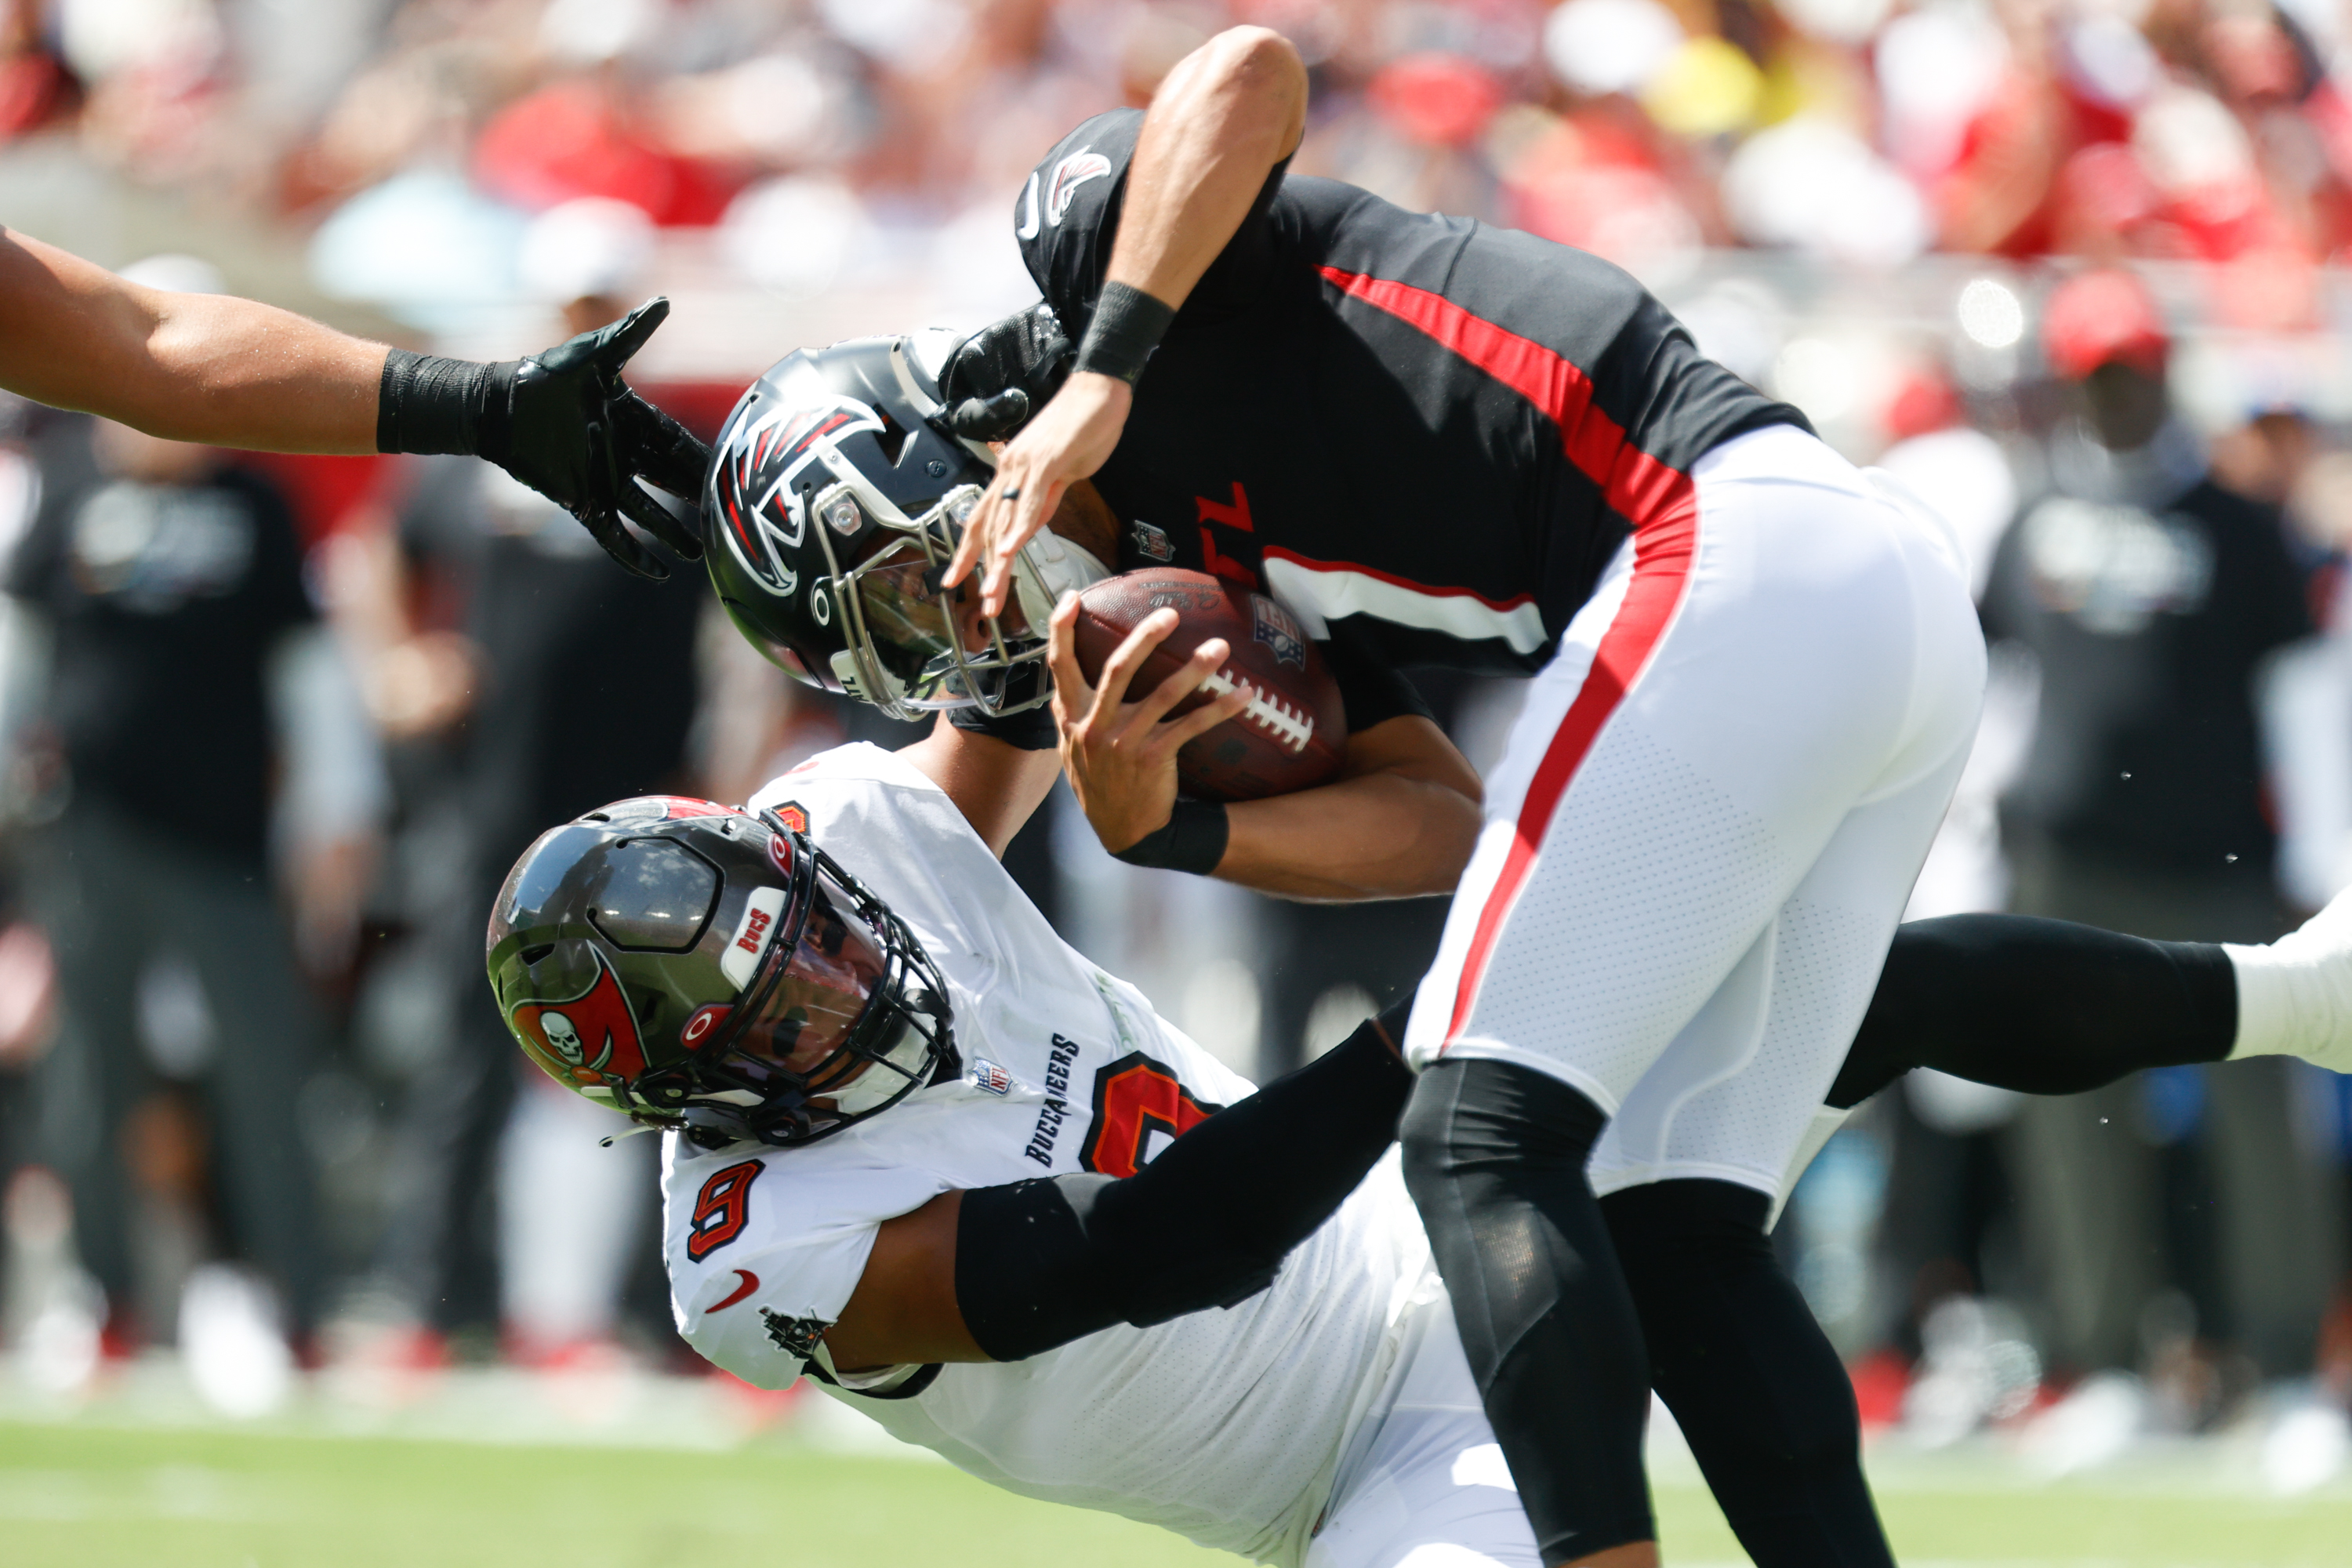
<point>75,1494</point>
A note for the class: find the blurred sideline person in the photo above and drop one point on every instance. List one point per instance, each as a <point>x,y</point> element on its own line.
<point>912,1135</point>
<point>2148,597</point>
<point>559,685</point>
<point>191,686</point>
<point>225,372</point>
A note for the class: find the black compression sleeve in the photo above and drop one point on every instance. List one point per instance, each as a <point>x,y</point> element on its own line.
<point>1044,1262</point>
<point>2038,1005</point>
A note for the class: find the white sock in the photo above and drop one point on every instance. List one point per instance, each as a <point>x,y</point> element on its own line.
<point>2268,1002</point>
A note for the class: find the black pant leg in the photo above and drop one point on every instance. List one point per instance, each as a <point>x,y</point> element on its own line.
<point>1738,1358</point>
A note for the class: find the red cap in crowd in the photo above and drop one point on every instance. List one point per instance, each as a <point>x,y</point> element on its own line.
<point>2100,317</point>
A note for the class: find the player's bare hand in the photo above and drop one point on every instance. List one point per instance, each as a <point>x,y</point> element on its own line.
<point>1120,756</point>
<point>1070,437</point>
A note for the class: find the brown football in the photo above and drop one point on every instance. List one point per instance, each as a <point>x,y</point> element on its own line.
<point>1293,735</point>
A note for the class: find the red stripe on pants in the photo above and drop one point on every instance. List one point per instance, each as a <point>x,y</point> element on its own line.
<point>1661,561</point>
<point>1658,500</point>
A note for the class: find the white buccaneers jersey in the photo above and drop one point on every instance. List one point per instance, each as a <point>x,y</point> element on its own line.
<point>1224,1426</point>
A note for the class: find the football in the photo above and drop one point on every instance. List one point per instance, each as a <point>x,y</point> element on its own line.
<point>1293,735</point>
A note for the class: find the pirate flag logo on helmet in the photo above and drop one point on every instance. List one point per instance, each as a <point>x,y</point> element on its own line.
<point>589,1040</point>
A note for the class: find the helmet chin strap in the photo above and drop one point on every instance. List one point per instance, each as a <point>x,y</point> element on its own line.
<point>1047,567</point>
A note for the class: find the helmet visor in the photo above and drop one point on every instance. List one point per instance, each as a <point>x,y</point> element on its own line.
<point>829,979</point>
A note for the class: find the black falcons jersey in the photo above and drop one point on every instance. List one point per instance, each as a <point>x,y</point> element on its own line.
<point>1428,434</point>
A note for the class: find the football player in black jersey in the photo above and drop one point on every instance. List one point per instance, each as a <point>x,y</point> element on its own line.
<point>225,372</point>
<point>1756,676</point>
<point>1756,673</point>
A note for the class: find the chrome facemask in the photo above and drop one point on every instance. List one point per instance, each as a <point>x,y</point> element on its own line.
<point>909,652</point>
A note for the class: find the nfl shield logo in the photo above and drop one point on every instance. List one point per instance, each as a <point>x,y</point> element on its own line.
<point>1153,543</point>
<point>988,1077</point>
<point>1280,633</point>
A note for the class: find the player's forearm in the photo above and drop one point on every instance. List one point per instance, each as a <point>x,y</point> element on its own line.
<point>191,367</point>
<point>998,787</point>
<point>234,372</point>
<point>1377,835</point>
<point>1225,116</point>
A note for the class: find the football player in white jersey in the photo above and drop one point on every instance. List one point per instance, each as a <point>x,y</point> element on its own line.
<point>923,1150</point>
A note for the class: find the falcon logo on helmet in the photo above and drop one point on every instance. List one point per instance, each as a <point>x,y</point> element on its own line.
<point>839,470</point>
<point>766,516</point>
<point>716,974</point>
<point>1068,174</point>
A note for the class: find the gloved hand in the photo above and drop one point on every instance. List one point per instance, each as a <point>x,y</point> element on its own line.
<point>1002,373</point>
<point>564,423</point>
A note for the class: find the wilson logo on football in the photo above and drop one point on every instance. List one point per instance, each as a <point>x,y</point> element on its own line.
<point>590,1039</point>
<point>754,932</point>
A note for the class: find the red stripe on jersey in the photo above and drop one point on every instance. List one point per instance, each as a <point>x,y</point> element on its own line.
<point>1658,500</point>
<point>1430,589</point>
<point>1633,482</point>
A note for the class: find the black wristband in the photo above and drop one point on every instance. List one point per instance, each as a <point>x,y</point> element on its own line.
<point>1032,729</point>
<point>1126,325</point>
<point>428,404</point>
<point>1194,840</point>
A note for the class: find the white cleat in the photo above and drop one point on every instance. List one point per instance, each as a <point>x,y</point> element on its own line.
<point>2294,994</point>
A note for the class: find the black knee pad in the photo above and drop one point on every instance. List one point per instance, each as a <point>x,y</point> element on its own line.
<point>1494,1155</point>
<point>1469,1114</point>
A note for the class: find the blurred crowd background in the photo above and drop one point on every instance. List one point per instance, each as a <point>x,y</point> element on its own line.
<point>273,728</point>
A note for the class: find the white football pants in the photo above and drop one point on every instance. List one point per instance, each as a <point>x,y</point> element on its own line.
<point>1425,1485</point>
<point>1711,811</point>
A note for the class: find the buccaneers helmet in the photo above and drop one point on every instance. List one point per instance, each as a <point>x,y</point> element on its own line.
<point>700,969</point>
<point>836,495</point>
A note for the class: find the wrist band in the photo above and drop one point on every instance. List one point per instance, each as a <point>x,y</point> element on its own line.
<point>1194,840</point>
<point>1128,324</point>
<point>427,404</point>
<point>1031,730</point>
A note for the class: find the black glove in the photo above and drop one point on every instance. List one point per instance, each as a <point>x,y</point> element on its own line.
<point>564,423</point>
<point>1001,373</point>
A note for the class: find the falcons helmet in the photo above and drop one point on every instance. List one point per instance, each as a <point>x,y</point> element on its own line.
<point>700,969</point>
<point>836,495</point>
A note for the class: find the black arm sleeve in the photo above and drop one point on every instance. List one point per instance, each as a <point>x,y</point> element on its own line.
<point>1207,1223</point>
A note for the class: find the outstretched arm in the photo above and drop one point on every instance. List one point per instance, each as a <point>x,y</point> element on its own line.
<point>208,368</point>
<point>1229,111</point>
<point>1004,1273</point>
<point>225,372</point>
<point>998,786</point>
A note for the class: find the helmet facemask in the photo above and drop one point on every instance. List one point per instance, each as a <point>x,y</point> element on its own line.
<point>839,1023</point>
<point>914,648</point>
<point>705,971</point>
